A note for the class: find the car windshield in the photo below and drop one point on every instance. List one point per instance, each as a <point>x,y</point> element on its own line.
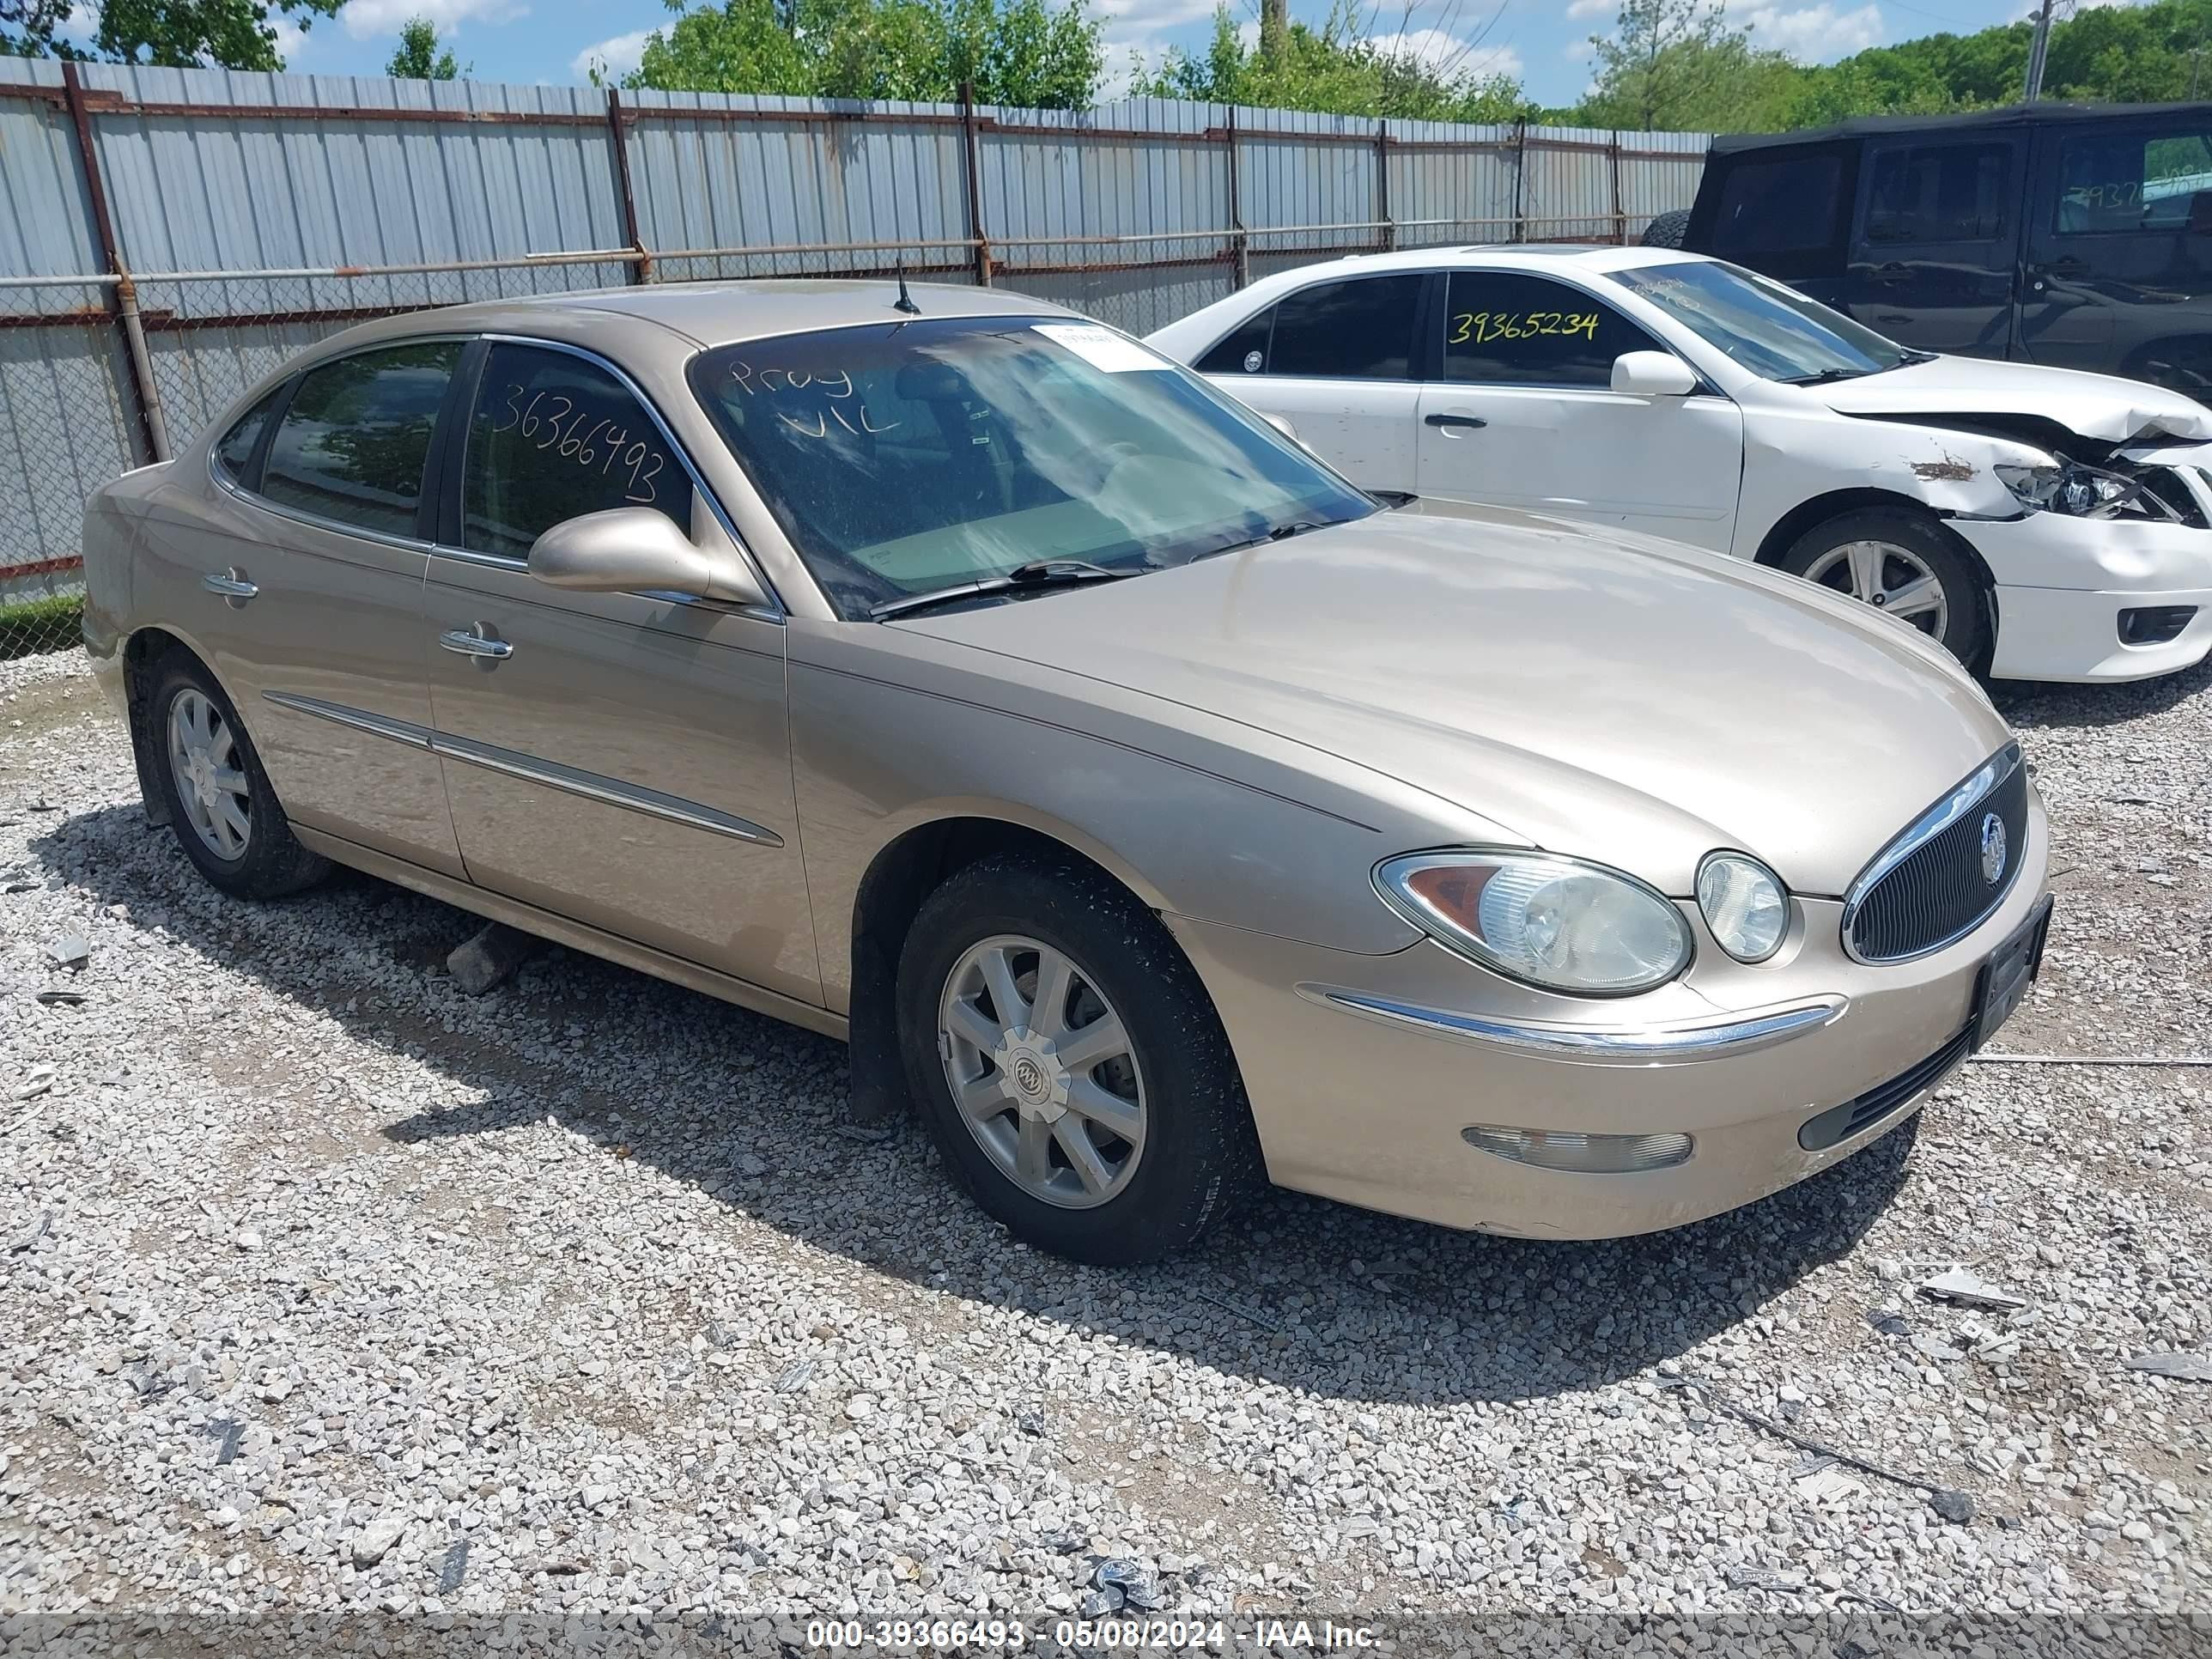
<point>1774,331</point>
<point>907,457</point>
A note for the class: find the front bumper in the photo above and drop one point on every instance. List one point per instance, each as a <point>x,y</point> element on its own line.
<point>2063,582</point>
<point>1368,1104</point>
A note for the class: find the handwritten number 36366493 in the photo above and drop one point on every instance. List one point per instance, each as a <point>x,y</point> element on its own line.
<point>559,428</point>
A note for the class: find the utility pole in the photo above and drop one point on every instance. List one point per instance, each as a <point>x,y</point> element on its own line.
<point>1274,28</point>
<point>2036,54</point>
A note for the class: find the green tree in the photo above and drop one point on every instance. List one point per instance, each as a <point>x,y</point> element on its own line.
<point>1676,65</point>
<point>1023,53</point>
<point>173,34</point>
<point>419,57</point>
<point>1336,69</point>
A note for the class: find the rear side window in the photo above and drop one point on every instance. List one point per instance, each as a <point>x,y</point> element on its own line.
<point>1245,350</point>
<point>2141,179</point>
<point>1924,193</point>
<point>1785,205</point>
<point>234,455</point>
<point>553,437</point>
<point>1512,330</point>
<point>1361,329</point>
<point>352,445</point>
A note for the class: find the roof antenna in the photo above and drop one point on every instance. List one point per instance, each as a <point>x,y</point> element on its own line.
<point>905,300</point>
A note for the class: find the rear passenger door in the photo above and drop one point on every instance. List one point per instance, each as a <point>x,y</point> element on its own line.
<point>2119,252</point>
<point>1336,359</point>
<point>1936,249</point>
<point>1522,412</point>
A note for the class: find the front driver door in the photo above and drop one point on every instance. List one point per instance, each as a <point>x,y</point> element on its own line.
<point>1337,361</point>
<point>1936,253</point>
<point>622,759</point>
<point>1521,413</point>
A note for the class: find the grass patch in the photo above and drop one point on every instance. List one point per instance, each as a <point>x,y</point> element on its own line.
<point>35,625</point>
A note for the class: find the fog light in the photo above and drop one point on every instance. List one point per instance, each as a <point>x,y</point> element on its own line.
<point>2154,624</point>
<point>1566,1149</point>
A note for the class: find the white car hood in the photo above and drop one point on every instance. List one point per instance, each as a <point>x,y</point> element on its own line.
<point>2096,406</point>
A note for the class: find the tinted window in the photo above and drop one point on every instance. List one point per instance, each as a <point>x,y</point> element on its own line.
<point>907,457</point>
<point>1786,205</point>
<point>352,445</point>
<point>1938,193</point>
<point>1513,329</point>
<point>1360,329</point>
<point>235,453</point>
<point>2141,180</point>
<point>1245,351</point>
<point>552,437</point>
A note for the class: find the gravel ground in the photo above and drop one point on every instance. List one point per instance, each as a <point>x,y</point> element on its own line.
<point>330,1292</point>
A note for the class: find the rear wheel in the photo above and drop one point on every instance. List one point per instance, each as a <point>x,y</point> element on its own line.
<point>1069,1064</point>
<point>221,807</point>
<point>1904,566</point>
<point>1667,229</point>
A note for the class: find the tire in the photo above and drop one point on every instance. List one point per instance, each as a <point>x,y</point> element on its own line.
<point>1666,229</point>
<point>194,731</point>
<point>1912,548</point>
<point>1195,1158</point>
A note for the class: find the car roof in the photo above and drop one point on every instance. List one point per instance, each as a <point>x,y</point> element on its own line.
<point>2010,115</point>
<point>702,313</point>
<point>1545,257</point>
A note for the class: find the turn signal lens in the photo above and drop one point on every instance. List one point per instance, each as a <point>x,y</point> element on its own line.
<point>1550,921</point>
<point>1744,905</point>
<point>1581,1154</point>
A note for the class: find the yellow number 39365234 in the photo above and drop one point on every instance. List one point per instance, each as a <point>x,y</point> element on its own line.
<point>1481,327</point>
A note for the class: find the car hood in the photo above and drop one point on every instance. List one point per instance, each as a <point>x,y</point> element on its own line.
<point>2100,406</point>
<point>1603,695</point>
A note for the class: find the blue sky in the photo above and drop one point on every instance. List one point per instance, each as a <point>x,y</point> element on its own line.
<point>1544,42</point>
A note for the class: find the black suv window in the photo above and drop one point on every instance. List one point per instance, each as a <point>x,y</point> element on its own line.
<point>1925,193</point>
<point>234,455</point>
<point>1788,204</point>
<point>352,445</point>
<point>2143,179</point>
<point>1360,329</point>
<point>554,436</point>
<point>1509,329</point>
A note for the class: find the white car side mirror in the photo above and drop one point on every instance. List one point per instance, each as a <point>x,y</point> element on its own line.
<point>1653,375</point>
<point>1284,427</point>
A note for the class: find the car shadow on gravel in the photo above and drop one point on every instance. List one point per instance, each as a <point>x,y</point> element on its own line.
<point>2032,705</point>
<point>1311,1295</point>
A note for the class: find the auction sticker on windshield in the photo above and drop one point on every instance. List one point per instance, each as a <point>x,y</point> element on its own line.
<point>1102,348</point>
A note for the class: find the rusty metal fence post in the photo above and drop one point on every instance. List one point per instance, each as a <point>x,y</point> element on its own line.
<point>123,296</point>
<point>1620,207</point>
<point>1240,267</point>
<point>640,269</point>
<point>1389,238</point>
<point>970,143</point>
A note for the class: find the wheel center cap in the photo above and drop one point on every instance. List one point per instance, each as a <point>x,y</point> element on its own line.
<point>1035,1077</point>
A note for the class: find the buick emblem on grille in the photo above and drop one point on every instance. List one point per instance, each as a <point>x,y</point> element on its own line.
<point>1993,850</point>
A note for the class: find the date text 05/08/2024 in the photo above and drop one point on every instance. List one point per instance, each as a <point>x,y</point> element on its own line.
<point>1111,1632</point>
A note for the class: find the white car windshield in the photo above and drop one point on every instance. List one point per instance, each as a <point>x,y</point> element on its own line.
<point>992,455</point>
<point>1774,331</point>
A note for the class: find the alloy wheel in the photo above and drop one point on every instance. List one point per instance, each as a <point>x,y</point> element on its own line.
<point>211,786</point>
<point>1043,1071</point>
<point>1895,581</point>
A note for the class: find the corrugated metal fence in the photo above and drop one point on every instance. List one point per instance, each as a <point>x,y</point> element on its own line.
<point>169,236</point>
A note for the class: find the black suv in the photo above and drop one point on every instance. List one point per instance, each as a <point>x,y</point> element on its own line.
<point>2075,235</point>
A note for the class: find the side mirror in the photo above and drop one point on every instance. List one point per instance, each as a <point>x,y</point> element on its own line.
<point>637,550</point>
<point>1283,427</point>
<point>1653,375</point>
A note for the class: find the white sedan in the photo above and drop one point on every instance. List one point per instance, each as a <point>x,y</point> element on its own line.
<point>2042,523</point>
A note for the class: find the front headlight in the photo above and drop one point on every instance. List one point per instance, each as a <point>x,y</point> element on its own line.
<point>1743,904</point>
<point>2082,492</point>
<point>1550,921</point>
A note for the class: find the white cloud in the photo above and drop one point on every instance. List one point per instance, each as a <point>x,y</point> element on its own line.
<point>1576,51</point>
<point>613,57</point>
<point>1130,21</point>
<point>365,20</point>
<point>1594,9</point>
<point>1449,55</point>
<point>1818,34</point>
<point>291,39</point>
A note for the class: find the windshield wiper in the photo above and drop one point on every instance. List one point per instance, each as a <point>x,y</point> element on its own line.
<point>1281,532</point>
<point>1037,575</point>
<point>1826,376</point>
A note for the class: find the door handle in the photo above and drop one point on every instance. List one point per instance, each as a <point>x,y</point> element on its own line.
<point>1469,422</point>
<point>234,588</point>
<point>477,641</point>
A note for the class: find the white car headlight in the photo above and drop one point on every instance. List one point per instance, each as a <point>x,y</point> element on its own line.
<point>2082,492</point>
<point>1550,921</point>
<point>1744,905</point>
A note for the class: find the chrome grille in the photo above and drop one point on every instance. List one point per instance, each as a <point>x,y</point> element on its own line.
<point>1930,885</point>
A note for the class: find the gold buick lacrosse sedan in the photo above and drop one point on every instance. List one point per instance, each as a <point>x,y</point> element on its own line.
<point>1151,809</point>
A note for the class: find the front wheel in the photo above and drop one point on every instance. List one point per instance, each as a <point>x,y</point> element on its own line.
<point>1069,1064</point>
<point>1903,565</point>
